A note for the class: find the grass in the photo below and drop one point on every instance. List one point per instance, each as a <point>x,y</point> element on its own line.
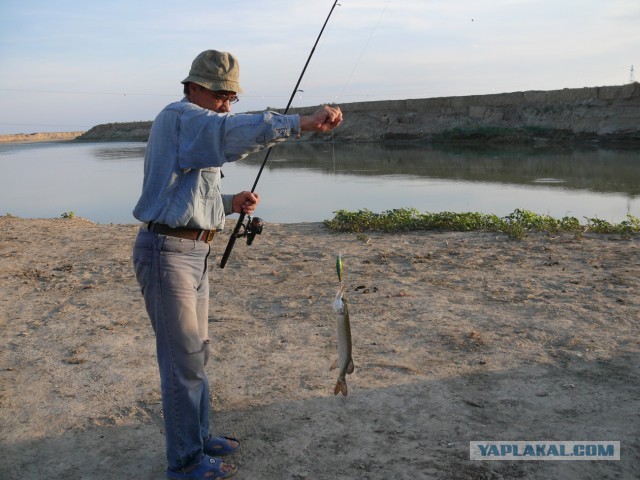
<point>516,225</point>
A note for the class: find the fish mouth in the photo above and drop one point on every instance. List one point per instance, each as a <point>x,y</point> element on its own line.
<point>338,304</point>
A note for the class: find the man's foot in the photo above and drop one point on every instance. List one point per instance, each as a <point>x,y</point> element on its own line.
<point>209,468</point>
<point>220,446</point>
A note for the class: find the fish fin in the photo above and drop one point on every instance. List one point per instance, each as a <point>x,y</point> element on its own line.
<point>341,386</point>
<point>350,367</point>
<point>334,365</point>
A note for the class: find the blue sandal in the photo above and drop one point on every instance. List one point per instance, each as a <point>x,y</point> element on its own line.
<point>202,471</point>
<point>220,446</point>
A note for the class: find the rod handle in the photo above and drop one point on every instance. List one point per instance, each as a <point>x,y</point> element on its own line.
<point>232,241</point>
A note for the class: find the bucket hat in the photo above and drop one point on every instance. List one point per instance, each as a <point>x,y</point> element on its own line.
<point>215,71</point>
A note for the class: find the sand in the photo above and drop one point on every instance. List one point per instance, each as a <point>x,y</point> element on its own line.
<point>457,337</point>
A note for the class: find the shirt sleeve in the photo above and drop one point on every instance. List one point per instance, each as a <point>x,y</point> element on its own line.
<point>251,133</point>
<point>210,139</point>
<point>227,202</point>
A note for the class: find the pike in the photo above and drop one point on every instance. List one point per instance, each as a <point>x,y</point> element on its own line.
<point>344,362</point>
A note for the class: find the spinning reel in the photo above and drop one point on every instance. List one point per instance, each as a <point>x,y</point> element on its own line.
<point>252,228</point>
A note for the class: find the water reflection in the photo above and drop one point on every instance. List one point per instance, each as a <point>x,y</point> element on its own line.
<point>595,170</point>
<point>119,151</point>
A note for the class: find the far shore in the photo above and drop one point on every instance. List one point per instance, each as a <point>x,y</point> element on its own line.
<point>590,117</point>
<point>39,137</point>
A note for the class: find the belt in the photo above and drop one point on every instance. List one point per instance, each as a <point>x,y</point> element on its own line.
<point>182,232</point>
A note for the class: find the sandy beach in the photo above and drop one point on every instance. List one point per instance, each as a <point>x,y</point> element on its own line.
<point>457,337</point>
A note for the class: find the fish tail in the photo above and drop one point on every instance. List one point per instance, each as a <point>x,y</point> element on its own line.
<point>341,386</point>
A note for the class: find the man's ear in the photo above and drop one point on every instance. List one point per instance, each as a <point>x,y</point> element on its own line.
<point>191,88</point>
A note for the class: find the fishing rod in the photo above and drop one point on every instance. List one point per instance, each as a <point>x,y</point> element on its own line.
<point>254,226</point>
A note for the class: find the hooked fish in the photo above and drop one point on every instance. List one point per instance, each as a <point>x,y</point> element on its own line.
<point>344,362</point>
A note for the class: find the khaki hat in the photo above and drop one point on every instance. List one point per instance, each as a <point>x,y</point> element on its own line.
<point>215,70</point>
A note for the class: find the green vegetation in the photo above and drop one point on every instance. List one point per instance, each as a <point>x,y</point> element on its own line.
<point>516,225</point>
<point>68,215</point>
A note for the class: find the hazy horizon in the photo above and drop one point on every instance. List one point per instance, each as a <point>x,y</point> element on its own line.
<point>70,65</point>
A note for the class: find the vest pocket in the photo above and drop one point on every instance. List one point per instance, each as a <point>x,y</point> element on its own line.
<point>209,184</point>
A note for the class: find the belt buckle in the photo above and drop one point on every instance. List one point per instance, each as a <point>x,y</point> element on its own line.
<point>210,235</point>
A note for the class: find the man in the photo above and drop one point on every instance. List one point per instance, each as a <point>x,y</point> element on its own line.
<point>181,209</point>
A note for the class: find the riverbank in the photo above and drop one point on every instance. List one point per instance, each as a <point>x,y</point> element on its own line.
<point>587,117</point>
<point>590,117</point>
<point>457,337</point>
<point>40,137</point>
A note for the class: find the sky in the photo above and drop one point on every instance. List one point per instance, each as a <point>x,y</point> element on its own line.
<point>68,65</point>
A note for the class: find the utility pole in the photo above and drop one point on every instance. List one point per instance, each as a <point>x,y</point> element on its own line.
<point>631,76</point>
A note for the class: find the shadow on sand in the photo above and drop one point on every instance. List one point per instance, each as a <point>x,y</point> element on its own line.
<point>416,431</point>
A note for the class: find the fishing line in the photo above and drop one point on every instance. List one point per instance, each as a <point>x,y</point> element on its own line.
<point>366,45</point>
<point>305,88</point>
<point>364,48</point>
<point>43,125</point>
<point>116,94</point>
<point>240,224</point>
<point>66,92</point>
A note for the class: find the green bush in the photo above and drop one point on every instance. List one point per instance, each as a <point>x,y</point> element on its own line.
<point>516,225</point>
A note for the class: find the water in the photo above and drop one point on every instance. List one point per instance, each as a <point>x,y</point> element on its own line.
<point>308,182</point>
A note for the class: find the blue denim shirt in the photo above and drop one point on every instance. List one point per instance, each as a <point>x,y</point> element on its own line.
<point>186,148</point>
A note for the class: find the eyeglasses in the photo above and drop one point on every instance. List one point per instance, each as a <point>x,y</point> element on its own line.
<point>231,98</point>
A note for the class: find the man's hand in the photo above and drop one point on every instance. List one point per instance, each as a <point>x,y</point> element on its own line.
<point>245,202</point>
<point>324,120</point>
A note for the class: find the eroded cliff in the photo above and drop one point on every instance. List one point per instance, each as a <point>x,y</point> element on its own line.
<point>597,115</point>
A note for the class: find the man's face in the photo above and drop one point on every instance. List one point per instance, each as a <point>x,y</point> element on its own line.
<point>219,101</point>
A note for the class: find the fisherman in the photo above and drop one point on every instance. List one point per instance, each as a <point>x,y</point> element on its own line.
<point>181,210</point>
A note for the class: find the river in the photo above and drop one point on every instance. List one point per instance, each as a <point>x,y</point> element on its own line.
<point>308,182</point>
